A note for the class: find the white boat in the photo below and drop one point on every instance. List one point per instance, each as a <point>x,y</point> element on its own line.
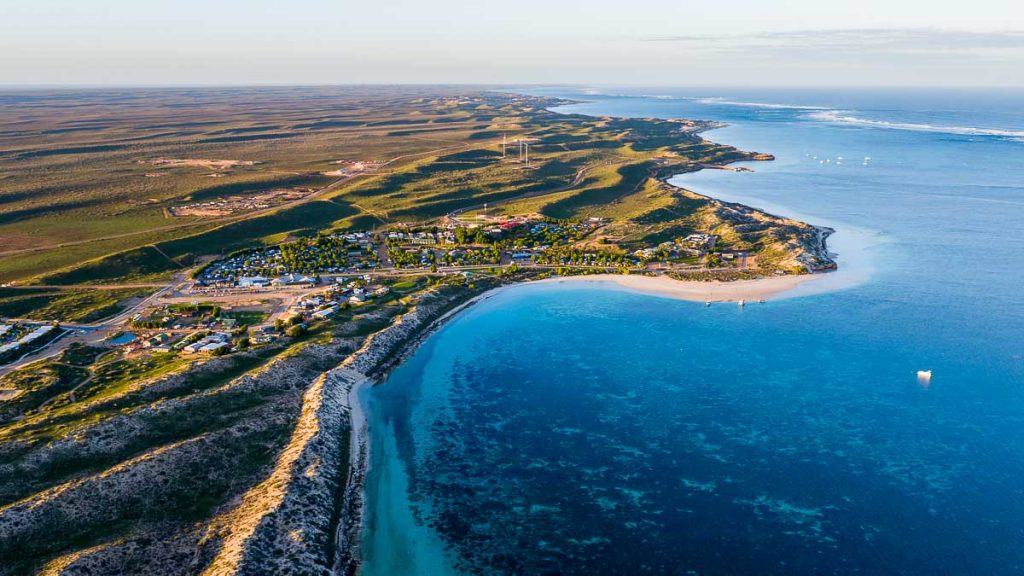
<point>924,377</point>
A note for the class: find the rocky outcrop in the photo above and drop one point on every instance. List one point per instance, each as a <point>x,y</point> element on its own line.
<point>798,246</point>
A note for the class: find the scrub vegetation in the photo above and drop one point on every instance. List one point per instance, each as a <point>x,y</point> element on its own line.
<point>90,180</point>
<point>123,459</point>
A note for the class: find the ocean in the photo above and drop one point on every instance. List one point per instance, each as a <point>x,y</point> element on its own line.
<point>573,428</point>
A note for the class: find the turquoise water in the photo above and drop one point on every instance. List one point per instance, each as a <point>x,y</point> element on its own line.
<point>581,429</point>
<point>124,338</point>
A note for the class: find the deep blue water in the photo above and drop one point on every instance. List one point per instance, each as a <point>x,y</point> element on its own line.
<point>581,429</point>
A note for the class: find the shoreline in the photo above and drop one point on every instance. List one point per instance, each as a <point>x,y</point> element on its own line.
<point>349,536</point>
<point>810,244</point>
<point>770,288</point>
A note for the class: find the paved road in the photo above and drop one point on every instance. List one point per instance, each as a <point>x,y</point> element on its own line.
<point>85,333</point>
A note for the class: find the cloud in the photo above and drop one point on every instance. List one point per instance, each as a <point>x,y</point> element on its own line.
<point>856,41</point>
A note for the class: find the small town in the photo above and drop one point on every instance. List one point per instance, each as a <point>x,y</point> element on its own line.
<point>456,245</point>
<point>257,296</point>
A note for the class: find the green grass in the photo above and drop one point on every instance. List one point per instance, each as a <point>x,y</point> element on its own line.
<point>139,265</point>
<point>247,317</point>
<point>92,184</point>
<point>65,305</point>
<point>406,286</point>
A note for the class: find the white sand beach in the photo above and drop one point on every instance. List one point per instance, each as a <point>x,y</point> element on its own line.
<point>774,287</point>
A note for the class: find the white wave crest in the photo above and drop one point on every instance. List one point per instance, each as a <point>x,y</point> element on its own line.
<point>724,102</point>
<point>844,117</point>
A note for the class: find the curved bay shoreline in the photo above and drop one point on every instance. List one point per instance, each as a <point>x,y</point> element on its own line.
<point>387,349</point>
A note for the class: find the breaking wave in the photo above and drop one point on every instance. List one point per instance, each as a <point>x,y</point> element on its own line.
<point>826,114</point>
<point>725,102</point>
<point>844,117</point>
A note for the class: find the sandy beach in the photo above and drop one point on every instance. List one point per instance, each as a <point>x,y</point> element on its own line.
<point>775,287</point>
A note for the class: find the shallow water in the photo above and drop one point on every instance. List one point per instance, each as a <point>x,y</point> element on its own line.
<point>574,428</point>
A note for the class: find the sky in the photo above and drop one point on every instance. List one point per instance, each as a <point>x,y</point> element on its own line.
<point>595,42</point>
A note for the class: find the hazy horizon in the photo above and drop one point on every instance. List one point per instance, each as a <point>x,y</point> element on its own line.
<point>654,42</point>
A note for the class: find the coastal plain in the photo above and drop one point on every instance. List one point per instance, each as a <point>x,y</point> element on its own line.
<point>116,458</point>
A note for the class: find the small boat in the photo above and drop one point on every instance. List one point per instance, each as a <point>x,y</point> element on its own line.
<point>741,303</point>
<point>707,303</point>
<point>924,377</point>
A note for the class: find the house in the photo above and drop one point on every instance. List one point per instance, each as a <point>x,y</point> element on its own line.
<point>193,347</point>
<point>214,347</point>
<point>209,344</point>
<point>151,342</point>
<point>263,338</point>
<point>253,282</point>
<point>325,313</point>
<point>294,279</point>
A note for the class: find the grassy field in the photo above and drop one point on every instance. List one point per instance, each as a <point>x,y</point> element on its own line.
<point>86,195</point>
<point>66,305</point>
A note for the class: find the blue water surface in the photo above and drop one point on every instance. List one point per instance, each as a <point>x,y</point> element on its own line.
<point>581,429</point>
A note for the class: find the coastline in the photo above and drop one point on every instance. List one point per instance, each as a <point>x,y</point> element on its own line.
<point>350,533</point>
<point>810,242</point>
<point>348,539</point>
<point>770,288</point>
<point>380,355</point>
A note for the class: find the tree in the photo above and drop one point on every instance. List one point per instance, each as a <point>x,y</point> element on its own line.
<point>296,331</point>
